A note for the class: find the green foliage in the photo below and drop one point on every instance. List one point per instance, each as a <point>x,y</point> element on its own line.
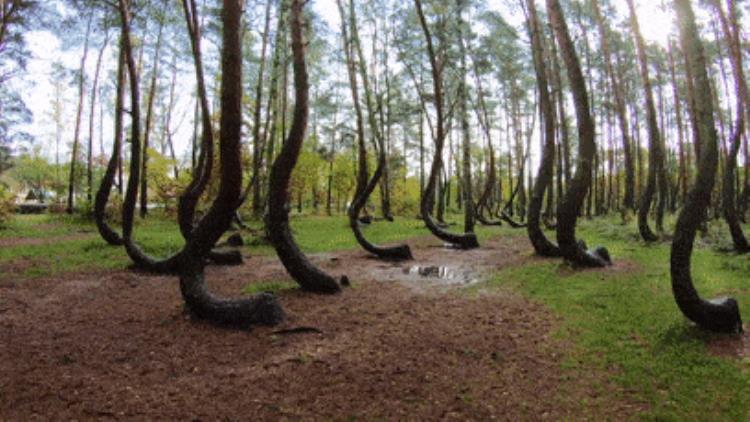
<point>7,205</point>
<point>161,181</point>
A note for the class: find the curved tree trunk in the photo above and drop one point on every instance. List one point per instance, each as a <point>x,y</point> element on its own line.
<point>541,244</point>
<point>570,207</point>
<point>655,150</point>
<point>731,33</point>
<point>464,241</point>
<point>102,195</point>
<point>723,314</point>
<point>260,309</point>
<point>365,186</point>
<point>308,276</point>
<point>185,208</point>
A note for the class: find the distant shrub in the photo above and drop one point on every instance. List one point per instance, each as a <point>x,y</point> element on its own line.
<point>7,205</point>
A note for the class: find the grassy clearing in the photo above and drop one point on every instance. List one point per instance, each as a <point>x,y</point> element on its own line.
<point>626,324</point>
<point>73,244</point>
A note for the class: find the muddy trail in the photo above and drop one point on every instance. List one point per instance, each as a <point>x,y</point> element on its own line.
<point>404,342</point>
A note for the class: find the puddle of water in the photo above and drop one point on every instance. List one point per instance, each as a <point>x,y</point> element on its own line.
<point>441,274</point>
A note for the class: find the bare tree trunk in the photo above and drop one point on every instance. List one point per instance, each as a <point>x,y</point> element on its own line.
<point>258,141</point>
<point>655,150</point>
<point>79,111</point>
<point>567,214</point>
<point>629,200</point>
<point>102,195</point>
<point>541,244</point>
<point>308,276</point>
<point>467,187</point>
<point>260,309</point>
<point>92,115</point>
<point>678,118</point>
<point>468,240</point>
<point>720,314</point>
<point>731,32</point>
<point>365,187</point>
<point>149,119</point>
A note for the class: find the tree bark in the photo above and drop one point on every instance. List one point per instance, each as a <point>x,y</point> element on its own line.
<point>365,186</point>
<point>102,195</point>
<point>149,119</point>
<point>723,314</point>
<point>260,309</point>
<point>308,276</point>
<point>542,245</point>
<point>629,199</point>
<point>464,241</point>
<point>655,150</point>
<point>729,206</point>
<point>79,111</point>
<point>92,115</point>
<point>567,214</point>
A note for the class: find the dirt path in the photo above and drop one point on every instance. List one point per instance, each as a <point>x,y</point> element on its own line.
<point>398,345</point>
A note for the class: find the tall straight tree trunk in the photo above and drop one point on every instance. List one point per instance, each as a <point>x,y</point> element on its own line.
<point>468,198</point>
<point>629,200</point>
<point>678,119</point>
<point>257,182</point>
<point>92,115</point>
<point>721,315</point>
<point>567,214</point>
<point>79,111</point>
<point>149,119</point>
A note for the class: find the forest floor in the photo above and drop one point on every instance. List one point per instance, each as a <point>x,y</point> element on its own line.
<point>492,333</point>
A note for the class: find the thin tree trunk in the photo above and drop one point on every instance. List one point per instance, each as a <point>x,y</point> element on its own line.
<point>149,119</point>
<point>79,111</point>
<point>92,115</point>
<point>629,200</point>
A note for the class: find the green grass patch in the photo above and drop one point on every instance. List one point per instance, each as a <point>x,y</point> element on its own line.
<point>160,237</point>
<point>269,286</point>
<point>626,324</point>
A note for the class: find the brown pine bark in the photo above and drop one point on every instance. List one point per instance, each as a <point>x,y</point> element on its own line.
<point>79,111</point>
<point>262,308</point>
<point>149,119</point>
<point>722,314</point>
<point>308,276</point>
<point>102,195</point>
<point>568,211</point>
<point>731,32</point>
<point>655,149</point>
<point>467,240</point>
<point>629,199</point>
<point>541,244</point>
